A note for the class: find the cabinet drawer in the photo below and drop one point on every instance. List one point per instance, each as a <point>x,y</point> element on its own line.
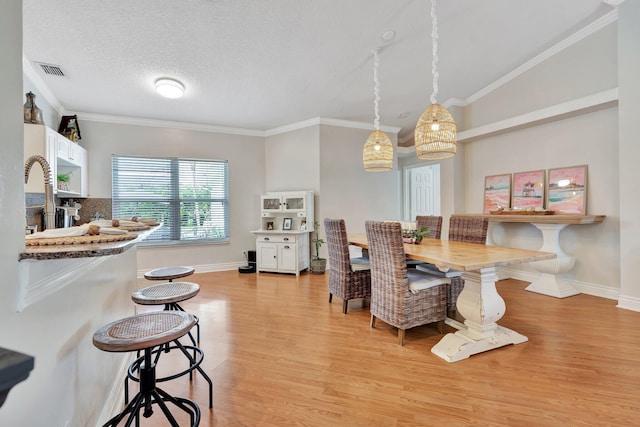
<point>277,238</point>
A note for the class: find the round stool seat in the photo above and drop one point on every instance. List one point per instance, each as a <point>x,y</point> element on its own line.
<point>169,273</point>
<point>143,331</point>
<point>165,293</point>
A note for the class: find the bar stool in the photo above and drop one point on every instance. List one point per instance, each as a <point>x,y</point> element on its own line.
<point>170,294</point>
<point>145,332</point>
<point>169,273</point>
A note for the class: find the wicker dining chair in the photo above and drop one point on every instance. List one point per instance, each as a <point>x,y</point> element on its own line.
<point>401,297</point>
<point>469,229</point>
<point>434,224</point>
<point>348,279</point>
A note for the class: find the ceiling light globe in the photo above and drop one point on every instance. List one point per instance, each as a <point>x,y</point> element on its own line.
<point>169,88</point>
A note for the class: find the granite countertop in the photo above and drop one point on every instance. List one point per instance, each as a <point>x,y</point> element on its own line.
<point>83,250</point>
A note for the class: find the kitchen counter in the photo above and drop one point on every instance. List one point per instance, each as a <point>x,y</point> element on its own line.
<point>46,270</point>
<point>83,250</point>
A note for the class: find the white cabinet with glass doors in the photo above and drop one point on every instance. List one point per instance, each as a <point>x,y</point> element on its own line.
<point>282,242</point>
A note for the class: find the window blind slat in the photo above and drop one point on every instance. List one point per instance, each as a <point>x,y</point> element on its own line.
<point>189,196</point>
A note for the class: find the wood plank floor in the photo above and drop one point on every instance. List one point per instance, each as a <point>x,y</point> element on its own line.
<point>280,355</point>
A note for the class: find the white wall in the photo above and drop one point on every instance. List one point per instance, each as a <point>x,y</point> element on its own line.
<point>588,138</point>
<point>629,152</point>
<point>347,191</point>
<point>12,219</point>
<point>575,141</point>
<point>71,378</point>
<point>291,160</point>
<point>246,182</point>
<point>587,67</point>
<point>328,160</point>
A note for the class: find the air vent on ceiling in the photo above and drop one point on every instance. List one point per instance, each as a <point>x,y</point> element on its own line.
<point>52,70</point>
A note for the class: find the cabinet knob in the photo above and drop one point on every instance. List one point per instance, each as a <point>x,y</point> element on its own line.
<point>266,238</point>
<point>286,247</point>
<point>286,239</point>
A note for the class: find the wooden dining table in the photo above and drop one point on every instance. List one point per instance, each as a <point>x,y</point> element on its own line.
<point>479,301</point>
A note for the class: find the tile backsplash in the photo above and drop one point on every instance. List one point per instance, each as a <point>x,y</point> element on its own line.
<point>33,215</point>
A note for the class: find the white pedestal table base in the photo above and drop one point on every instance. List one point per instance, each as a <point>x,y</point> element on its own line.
<point>481,306</point>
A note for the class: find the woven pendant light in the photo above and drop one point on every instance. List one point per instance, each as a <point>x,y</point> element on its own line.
<point>377,154</point>
<point>435,135</point>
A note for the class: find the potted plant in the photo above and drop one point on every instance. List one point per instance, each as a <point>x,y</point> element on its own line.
<point>63,181</point>
<point>318,264</point>
<point>415,236</point>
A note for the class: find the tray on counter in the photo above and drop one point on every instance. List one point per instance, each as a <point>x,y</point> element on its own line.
<point>81,240</point>
<point>522,212</point>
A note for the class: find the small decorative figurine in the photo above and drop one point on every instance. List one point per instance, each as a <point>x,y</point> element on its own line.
<point>32,114</point>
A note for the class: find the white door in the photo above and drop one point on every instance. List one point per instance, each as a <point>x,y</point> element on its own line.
<point>424,191</point>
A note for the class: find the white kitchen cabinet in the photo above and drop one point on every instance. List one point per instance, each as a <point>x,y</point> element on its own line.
<point>282,252</point>
<point>64,157</point>
<point>279,249</point>
<point>297,205</point>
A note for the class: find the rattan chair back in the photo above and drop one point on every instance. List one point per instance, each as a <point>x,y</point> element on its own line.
<point>432,222</point>
<point>469,229</point>
<point>392,301</point>
<point>343,281</point>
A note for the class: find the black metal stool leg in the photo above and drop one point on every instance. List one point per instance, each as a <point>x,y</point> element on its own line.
<point>196,365</point>
<point>149,395</point>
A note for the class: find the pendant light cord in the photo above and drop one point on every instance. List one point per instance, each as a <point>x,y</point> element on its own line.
<point>434,47</point>
<point>376,88</point>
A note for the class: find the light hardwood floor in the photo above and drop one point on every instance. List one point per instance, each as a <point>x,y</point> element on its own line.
<point>280,355</point>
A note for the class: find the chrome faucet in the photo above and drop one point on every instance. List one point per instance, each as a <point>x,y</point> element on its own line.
<point>49,202</point>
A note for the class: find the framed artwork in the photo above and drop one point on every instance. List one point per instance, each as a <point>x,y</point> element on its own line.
<point>567,190</point>
<point>286,223</point>
<point>269,225</point>
<point>528,190</point>
<point>497,192</point>
<point>303,225</point>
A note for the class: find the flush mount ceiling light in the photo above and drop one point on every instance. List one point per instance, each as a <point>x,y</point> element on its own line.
<point>169,88</point>
<point>377,154</point>
<point>435,135</point>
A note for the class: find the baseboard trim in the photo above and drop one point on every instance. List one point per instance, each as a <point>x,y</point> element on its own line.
<point>595,289</point>
<point>204,268</point>
<point>629,303</point>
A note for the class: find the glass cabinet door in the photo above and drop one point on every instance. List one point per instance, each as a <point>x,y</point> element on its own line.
<point>271,203</point>
<point>294,203</point>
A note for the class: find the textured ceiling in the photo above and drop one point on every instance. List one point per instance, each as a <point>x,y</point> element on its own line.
<point>261,64</point>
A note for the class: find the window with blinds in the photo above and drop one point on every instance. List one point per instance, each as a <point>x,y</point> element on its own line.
<point>190,197</point>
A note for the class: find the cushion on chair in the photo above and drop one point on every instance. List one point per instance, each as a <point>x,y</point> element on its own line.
<point>360,263</point>
<point>419,281</point>
<point>433,270</point>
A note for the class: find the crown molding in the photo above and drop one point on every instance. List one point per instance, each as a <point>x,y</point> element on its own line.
<point>584,32</point>
<point>575,106</point>
<point>328,122</point>
<point>168,124</point>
